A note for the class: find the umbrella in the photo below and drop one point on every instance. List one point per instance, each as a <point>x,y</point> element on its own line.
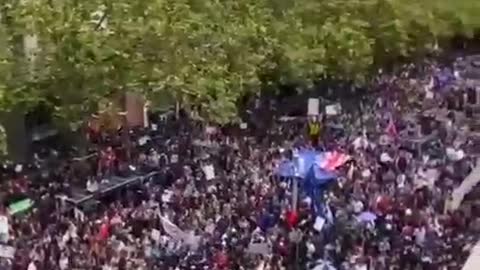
<point>367,217</point>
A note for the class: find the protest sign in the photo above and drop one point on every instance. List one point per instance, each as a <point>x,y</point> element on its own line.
<point>258,248</point>
<point>155,235</point>
<point>209,172</point>
<point>4,228</point>
<point>319,223</point>
<point>243,126</point>
<point>313,106</point>
<point>143,140</point>
<point>3,224</point>
<point>210,130</point>
<point>7,252</point>
<point>333,109</point>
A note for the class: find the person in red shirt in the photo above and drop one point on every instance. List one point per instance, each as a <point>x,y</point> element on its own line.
<point>221,261</point>
<point>291,217</point>
<point>104,232</point>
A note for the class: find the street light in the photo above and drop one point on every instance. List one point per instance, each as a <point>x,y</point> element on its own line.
<point>126,132</point>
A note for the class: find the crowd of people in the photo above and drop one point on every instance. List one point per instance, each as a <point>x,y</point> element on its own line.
<point>217,202</point>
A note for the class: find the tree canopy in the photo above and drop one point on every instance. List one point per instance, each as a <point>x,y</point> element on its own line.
<point>206,53</point>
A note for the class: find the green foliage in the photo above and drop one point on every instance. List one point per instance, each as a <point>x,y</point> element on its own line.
<point>3,142</point>
<point>207,53</point>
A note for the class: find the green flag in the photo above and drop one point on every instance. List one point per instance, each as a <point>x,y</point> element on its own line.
<point>20,206</point>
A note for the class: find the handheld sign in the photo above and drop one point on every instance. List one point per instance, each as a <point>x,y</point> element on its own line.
<point>7,252</point>
<point>209,172</point>
<point>313,106</point>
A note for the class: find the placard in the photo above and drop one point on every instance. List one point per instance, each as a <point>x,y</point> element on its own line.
<point>143,140</point>
<point>258,248</point>
<point>333,109</point>
<point>210,130</point>
<point>7,251</point>
<point>429,95</point>
<point>313,106</point>
<point>155,235</point>
<point>209,172</point>
<point>3,225</point>
<point>319,223</point>
<point>243,126</point>
<point>4,232</point>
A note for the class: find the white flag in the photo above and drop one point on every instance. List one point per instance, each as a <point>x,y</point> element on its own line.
<point>173,230</point>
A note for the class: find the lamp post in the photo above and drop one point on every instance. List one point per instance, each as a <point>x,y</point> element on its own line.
<point>298,164</point>
<point>125,133</point>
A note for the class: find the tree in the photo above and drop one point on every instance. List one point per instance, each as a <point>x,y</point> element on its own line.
<point>207,54</point>
<point>204,53</point>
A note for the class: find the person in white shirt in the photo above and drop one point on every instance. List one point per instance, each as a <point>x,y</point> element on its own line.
<point>63,262</point>
<point>92,185</point>
<point>32,266</point>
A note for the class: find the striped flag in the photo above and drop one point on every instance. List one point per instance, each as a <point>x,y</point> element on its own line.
<point>334,160</point>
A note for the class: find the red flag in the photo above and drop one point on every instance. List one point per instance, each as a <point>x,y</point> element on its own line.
<point>291,218</point>
<point>334,160</point>
<point>391,129</point>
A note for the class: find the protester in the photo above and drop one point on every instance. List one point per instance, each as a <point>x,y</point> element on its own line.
<point>218,201</point>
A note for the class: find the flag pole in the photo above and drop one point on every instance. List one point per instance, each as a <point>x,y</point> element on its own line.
<point>294,193</point>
